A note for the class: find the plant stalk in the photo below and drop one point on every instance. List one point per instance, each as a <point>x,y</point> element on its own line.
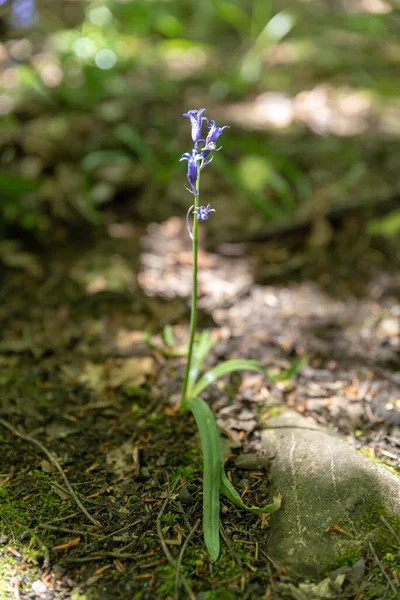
<point>193,313</point>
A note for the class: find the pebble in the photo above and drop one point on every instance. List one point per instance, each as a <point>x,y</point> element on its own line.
<point>39,587</point>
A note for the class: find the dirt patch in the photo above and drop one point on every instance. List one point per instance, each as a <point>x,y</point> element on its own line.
<point>78,378</point>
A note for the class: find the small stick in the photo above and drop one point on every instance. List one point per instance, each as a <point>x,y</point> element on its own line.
<point>392,531</point>
<point>180,557</point>
<point>55,464</point>
<point>229,546</point>
<point>183,513</point>
<point>61,529</point>
<point>380,565</point>
<point>105,537</point>
<point>102,555</point>
<point>60,519</point>
<point>164,545</point>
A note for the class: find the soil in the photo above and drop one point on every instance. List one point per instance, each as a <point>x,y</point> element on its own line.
<point>79,376</point>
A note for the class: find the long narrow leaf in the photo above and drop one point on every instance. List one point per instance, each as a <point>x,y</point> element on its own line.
<point>211,467</point>
<point>233,496</point>
<point>236,364</point>
<point>227,489</point>
<point>168,336</point>
<point>202,348</point>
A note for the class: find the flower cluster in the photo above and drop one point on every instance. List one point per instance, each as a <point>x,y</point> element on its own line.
<point>200,158</point>
<point>196,159</point>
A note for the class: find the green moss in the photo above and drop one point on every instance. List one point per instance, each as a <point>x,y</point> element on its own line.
<point>346,560</point>
<point>189,467</point>
<point>371,456</point>
<point>76,595</point>
<point>168,586</point>
<point>24,506</point>
<point>220,594</point>
<point>273,411</point>
<point>185,473</point>
<point>196,562</point>
<point>383,539</point>
<point>169,519</point>
<point>137,410</point>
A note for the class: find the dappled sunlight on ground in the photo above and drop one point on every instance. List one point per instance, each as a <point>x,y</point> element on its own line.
<point>166,267</point>
<point>324,109</point>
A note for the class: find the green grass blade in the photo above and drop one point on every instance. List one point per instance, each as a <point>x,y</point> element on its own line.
<point>210,444</point>
<point>236,364</point>
<point>201,350</point>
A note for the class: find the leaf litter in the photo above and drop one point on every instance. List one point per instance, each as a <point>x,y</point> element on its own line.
<point>77,374</point>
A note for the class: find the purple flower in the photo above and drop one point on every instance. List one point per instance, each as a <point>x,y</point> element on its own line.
<point>214,132</point>
<point>193,170</point>
<point>196,121</point>
<point>203,212</point>
<point>213,135</point>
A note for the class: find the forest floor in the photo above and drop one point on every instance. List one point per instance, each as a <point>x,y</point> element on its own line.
<point>83,394</point>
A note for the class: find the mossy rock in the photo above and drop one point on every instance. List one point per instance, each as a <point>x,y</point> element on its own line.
<point>333,498</point>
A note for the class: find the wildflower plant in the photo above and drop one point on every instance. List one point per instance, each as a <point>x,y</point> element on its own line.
<point>214,478</point>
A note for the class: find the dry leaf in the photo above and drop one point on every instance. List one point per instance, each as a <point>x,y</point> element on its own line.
<point>127,373</point>
<point>124,460</point>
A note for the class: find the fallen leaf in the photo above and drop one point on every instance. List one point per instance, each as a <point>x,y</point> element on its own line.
<point>126,373</point>
<point>130,372</point>
<point>124,460</point>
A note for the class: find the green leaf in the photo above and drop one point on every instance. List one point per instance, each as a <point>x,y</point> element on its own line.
<point>168,336</point>
<point>295,368</point>
<point>212,454</point>
<point>131,138</point>
<point>236,364</point>
<point>98,158</point>
<point>227,489</point>
<point>386,226</point>
<point>15,186</point>
<point>201,350</point>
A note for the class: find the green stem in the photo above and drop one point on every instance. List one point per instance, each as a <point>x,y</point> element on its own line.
<point>193,314</point>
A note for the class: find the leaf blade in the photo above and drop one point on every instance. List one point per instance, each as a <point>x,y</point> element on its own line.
<point>202,348</point>
<point>227,489</point>
<point>210,444</point>
<point>228,366</point>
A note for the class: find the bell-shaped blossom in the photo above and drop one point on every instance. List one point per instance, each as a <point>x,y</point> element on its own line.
<point>201,213</point>
<point>196,121</point>
<point>193,169</point>
<point>212,136</point>
<point>214,132</point>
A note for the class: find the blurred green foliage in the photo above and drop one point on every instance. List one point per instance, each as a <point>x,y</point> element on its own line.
<point>92,93</point>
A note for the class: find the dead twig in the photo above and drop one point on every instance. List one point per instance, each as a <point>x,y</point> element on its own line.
<point>229,546</point>
<point>102,556</point>
<point>180,557</point>
<point>105,537</point>
<point>164,545</point>
<point>390,528</point>
<point>55,464</point>
<point>61,529</point>
<point>273,563</point>
<point>380,565</point>
<point>60,519</point>
<point>384,373</point>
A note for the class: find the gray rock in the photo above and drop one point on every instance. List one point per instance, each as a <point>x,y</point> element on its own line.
<point>324,482</point>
